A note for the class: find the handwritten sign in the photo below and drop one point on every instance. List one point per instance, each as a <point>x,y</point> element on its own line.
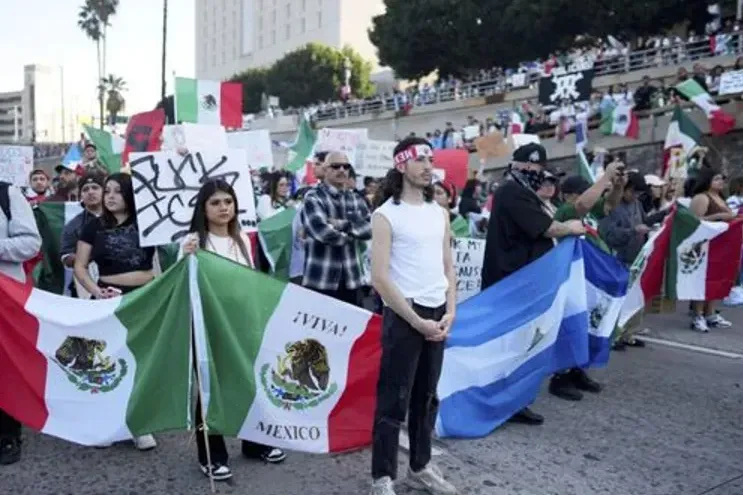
<point>16,163</point>
<point>166,186</point>
<point>468,256</point>
<point>344,140</point>
<point>194,137</point>
<point>471,132</point>
<point>257,146</point>
<point>374,158</point>
<point>731,82</point>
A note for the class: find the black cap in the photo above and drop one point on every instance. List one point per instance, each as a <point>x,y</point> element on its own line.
<point>636,181</point>
<point>531,153</point>
<point>92,178</point>
<point>90,144</point>
<point>575,184</point>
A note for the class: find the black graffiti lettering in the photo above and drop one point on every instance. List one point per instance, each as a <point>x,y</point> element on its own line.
<point>169,196</point>
<point>463,257</point>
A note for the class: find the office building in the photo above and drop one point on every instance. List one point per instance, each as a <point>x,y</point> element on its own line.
<point>235,35</point>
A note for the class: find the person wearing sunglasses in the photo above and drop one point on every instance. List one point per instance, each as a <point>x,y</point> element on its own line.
<point>335,221</point>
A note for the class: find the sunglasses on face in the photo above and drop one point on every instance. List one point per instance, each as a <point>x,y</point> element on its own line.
<point>338,166</point>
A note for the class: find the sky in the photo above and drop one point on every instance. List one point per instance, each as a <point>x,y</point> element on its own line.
<point>46,32</point>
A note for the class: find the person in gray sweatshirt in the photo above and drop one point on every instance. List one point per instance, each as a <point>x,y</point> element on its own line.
<point>19,242</point>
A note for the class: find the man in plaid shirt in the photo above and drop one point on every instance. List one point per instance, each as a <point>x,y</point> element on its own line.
<point>335,220</point>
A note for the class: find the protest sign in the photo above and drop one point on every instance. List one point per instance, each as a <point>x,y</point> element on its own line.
<point>455,163</point>
<point>491,146</point>
<point>194,137</point>
<point>570,86</point>
<point>471,132</point>
<point>166,185</point>
<point>16,163</point>
<point>520,140</point>
<point>257,146</point>
<point>374,158</point>
<point>731,82</point>
<point>468,255</point>
<point>343,140</point>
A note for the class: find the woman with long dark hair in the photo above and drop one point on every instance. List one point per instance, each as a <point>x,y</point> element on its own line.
<point>277,199</point>
<point>112,242</point>
<point>215,228</point>
<point>709,204</point>
<point>445,195</point>
<point>470,202</point>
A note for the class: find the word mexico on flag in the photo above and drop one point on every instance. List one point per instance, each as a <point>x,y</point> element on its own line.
<point>496,361</point>
<point>96,372</point>
<point>283,366</point>
<point>209,102</point>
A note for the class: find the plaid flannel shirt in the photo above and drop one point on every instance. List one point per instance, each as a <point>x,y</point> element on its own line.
<point>331,250</point>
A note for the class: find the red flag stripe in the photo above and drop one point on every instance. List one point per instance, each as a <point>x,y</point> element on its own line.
<point>231,105</point>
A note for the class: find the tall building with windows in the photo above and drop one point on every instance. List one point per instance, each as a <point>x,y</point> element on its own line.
<point>234,35</point>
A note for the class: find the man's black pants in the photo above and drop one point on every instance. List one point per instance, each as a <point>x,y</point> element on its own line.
<point>408,377</point>
<point>9,428</point>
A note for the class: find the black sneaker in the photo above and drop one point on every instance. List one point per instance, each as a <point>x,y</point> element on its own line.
<point>527,417</point>
<point>582,381</point>
<point>271,455</point>
<point>619,346</point>
<point>562,386</point>
<point>10,451</point>
<point>217,471</point>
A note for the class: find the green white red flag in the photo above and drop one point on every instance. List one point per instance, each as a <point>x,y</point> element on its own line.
<point>681,140</point>
<point>620,120</point>
<point>209,102</point>
<point>720,122</point>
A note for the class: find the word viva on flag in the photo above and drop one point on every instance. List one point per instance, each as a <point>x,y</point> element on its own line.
<point>282,365</point>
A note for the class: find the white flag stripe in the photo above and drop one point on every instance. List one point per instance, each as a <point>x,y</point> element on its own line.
<point>199,333</point>
<point>691,286</point>
<point>209,114</point>
<point>60,317</point>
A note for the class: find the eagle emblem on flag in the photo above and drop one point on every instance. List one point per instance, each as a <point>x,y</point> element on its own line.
<point>301,378</point>
<point>693,257</point>
<point>85,365</point>
<point>209,103</point>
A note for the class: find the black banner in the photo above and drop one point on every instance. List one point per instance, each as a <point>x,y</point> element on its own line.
<point>561,86</point>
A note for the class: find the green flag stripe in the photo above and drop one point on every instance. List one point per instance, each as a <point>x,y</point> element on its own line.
<point>186,100</point>
<point>275,234</point>
<point>303,146</point>
<point>50,220</point>
<point>684,224</point>
<point>232,333</point>
<point>157,319</point>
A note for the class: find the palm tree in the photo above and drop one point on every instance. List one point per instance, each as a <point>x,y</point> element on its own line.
<point>94,19</point>
<point>113,87</point>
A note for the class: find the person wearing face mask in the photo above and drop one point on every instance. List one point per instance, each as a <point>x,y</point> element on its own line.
<point>521,229</point>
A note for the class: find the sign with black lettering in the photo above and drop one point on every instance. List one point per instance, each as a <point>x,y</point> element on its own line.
<point>560,87</point>
<point>468,256</point>
<point>166,186</point>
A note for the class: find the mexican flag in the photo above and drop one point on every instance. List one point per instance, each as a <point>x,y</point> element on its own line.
<point>301,153</point>
<point>719,122</point>
<point>51,217</point>
<point>646,273</point>
<point>681,139</point>
<point>704,257</point>
<point>619,119</point>
<point>306,365</point>
<point>209,102</point>
<point>95,372</point>
<point>276,238</point>
<point>517,123</point>
<point>109,148</point>
<point>584,168</point>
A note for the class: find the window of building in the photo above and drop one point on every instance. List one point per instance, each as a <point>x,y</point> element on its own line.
<point>288,10</point>
<point>273,36</point>
<point>260,23</point>
<point>303,25</point>
<point>273,16</point>
<point>288,31</point>
<point>304,5</point>
<point>260,41</point>
<point>224,57</point>
<point>319,20</point>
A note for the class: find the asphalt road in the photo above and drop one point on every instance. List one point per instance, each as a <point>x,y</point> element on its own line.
<point>669,422</point>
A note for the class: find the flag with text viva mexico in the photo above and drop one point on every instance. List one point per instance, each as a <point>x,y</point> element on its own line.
<point>95,372</point>
<point>306,366</point>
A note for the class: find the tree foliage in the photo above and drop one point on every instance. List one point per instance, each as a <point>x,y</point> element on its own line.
<point>416,37</point>
<point>305,76</point>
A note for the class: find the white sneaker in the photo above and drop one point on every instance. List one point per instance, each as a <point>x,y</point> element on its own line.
<point>145,442</point>
<point>717,321</point>
<point>382,486</point>
<point>699,324</point>
<point>431,480</point>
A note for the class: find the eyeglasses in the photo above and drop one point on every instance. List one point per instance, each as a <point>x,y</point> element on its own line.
<point>338,166</point>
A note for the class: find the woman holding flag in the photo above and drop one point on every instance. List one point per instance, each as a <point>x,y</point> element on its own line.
<point>215,228</point>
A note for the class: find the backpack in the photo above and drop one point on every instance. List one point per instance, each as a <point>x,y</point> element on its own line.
<point>5,200</point>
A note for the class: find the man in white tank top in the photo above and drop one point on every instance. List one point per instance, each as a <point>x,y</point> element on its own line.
<point>413,272</point>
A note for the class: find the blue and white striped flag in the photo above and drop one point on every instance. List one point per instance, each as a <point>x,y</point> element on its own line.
<point>509,338</point>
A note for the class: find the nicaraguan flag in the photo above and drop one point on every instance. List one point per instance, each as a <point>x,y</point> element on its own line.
<point>509,338</point>
<point>606,287</point>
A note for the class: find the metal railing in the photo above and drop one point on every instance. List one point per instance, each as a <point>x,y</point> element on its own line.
<point>619,64</point>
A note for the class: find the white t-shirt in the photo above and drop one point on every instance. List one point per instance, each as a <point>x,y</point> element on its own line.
<point>265,208</point>
<point>417,251</point>
<point>225,247</point>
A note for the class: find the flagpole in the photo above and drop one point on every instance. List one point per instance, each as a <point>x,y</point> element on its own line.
<point>204,426</point>
<point>175,106</point>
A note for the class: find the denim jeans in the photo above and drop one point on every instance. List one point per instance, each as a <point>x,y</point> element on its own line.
<point>408,377</point>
